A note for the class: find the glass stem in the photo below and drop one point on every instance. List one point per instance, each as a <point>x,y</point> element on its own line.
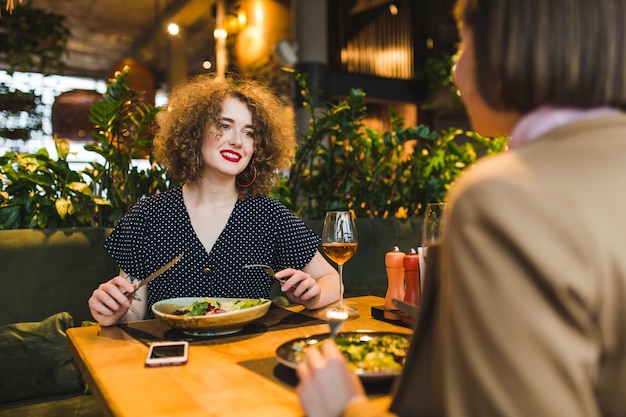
<point>340,269</point>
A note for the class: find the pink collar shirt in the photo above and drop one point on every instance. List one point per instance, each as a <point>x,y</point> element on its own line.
<point>546,118</point>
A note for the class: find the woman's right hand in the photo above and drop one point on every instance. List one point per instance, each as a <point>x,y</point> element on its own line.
<point>327,386</point>
<point>109,303</point>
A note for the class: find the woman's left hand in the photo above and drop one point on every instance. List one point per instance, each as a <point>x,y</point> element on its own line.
<point>315,286</point>
<point>299,287</point>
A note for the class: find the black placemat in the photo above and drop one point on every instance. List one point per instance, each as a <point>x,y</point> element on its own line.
<point>277,318</point>
<point>283,375</point>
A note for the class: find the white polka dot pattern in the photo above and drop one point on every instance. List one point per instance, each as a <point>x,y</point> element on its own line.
<point>259,230</point>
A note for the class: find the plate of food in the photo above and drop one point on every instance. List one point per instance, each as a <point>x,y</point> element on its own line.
<point>370,355</point>
<point>204,316</point>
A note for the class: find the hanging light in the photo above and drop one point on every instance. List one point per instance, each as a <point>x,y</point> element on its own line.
<point>173,29</point>
<point>11,5</point>
<point>70,115</point>
<point>220,34</point>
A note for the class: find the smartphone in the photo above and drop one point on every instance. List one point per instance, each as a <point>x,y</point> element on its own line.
<point>167,353</point>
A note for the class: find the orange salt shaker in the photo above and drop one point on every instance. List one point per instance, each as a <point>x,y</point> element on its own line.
<point>395,282</point>
<point>410,264</point>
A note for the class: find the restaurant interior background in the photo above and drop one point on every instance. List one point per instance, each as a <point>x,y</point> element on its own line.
<point>383,47</point>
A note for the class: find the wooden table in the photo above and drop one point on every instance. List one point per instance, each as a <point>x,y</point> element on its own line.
<point>236,375</point>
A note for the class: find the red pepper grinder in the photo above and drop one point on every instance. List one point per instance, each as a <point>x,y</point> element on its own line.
<point>412,280</point>
<point>395,278</point>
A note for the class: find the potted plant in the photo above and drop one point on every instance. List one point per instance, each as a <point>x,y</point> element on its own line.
<point>37,191</point>
<point>122,130</point>
<point>340,163</point>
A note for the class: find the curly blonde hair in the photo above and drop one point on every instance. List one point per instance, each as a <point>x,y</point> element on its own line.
<point>196,104</point>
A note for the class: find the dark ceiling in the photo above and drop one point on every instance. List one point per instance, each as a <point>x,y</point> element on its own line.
<point>103,32</point>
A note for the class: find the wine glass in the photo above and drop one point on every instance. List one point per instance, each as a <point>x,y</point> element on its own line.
<point>339,243</point>
<point>432,228</point>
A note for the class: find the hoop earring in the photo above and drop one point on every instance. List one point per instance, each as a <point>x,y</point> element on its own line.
<point>251,181</point>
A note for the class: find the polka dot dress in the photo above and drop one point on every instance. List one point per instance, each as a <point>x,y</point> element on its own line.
<point>260,230</point>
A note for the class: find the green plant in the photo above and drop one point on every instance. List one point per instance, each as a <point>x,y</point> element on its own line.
<point>442,93</point>
<point>122,120</point>
<point>340,163</point>
<point>32,39</point>
<point>39,192</point>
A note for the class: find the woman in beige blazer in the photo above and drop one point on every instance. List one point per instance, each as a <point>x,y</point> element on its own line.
<point>528,314</point>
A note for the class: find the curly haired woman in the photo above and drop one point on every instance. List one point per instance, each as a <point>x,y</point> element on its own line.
<point>226,140</point>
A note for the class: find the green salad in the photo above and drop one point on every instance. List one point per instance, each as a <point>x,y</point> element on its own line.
<point>209,306</point>
<point>365,353</point>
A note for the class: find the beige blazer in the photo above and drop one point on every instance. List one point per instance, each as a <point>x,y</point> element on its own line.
<point>529,315</point>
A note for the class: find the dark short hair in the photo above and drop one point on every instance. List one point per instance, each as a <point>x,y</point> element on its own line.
<point>196,104</point>
<point>548,52</point>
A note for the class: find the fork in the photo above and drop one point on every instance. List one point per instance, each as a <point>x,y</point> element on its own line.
<point>267,269</point>
<point>336,317</point>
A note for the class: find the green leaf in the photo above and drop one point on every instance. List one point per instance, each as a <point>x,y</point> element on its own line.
<point>62,206</point>
<point>80,187</point>
<point>63,148</point>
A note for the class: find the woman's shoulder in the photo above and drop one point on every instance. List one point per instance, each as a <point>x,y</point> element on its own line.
<point>165,200</point>
<point>262,206</point>
<point>498,185</point>
<point>161,198</point>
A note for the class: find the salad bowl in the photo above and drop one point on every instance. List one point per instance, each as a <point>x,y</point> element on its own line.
<point>223,315</point>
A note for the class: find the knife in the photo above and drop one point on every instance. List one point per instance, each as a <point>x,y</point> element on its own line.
<point>154,275</point>
<point>406,308</point>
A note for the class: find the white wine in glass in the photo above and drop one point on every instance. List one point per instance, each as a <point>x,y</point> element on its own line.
<point>339,243</point>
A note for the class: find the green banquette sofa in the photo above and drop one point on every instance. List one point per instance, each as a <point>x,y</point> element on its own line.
<point>46,277</point>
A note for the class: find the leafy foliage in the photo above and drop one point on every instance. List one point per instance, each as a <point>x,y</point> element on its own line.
<point>437,74</point>
<point>32,39</point>
<point>39,192</point>
<point>341,164</point>
<point>122,120</point>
